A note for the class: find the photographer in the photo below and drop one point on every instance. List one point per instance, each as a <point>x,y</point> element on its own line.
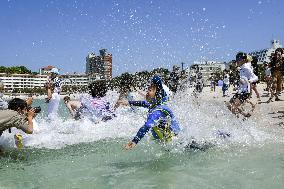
<point>17,116</point>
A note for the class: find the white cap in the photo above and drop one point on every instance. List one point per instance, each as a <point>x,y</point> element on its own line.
<point>54,70</point>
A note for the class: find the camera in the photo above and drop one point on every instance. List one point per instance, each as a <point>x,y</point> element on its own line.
<point>36,109</point>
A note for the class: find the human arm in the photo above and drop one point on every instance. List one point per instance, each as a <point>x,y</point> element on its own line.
<point>30,128</point>
<point>144,103</point>
<point>121,101</point>
<point>68,105</point>
<point>27,125</point>
<point>151,120</point>
<point>49,86</point>
<point>29,101</point>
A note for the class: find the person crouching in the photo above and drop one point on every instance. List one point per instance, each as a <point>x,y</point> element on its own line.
<point>17,115</point>
<point>160,120</point>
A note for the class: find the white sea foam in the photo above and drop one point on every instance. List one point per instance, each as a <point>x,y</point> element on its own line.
<point>200,118</point>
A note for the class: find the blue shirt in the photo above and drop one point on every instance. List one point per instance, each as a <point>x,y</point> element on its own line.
<point>158,116</point>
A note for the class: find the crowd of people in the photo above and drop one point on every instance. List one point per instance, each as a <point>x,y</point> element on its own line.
<point>161,120</point>
<point>246,78</point>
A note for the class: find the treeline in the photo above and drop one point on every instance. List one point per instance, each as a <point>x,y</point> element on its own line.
<point>122,82</point>
<point>140,80</point>
<point>15,70</point>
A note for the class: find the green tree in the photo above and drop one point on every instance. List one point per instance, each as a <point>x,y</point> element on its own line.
<point>15,70</point>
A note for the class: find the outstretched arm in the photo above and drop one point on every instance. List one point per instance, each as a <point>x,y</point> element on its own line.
<point>151,120</point>
<point>68,105</point>
<point>144,104</point>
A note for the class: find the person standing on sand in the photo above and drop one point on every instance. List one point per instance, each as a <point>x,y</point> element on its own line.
<point>277,69</point>
<point>226,83</point>
<point>240,98</point>
<point>255,71</point>
<point>212,82</point>
<point>268,79</point>
<point>244,62</point>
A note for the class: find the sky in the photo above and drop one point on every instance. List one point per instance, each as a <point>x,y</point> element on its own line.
<point>140,34</point>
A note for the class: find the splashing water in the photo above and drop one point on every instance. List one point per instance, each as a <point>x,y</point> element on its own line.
<point>81,154</point>
<point>201,118</point>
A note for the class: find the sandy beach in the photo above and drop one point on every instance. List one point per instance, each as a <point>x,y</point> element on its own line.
<point>273,111</point>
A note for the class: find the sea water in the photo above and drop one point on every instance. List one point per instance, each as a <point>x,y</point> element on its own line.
<point>80,154</point>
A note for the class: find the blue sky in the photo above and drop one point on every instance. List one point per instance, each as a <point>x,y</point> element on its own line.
<point>141,34</point>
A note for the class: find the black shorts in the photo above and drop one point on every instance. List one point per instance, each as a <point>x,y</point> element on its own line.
<point>254,83</point>
<point>241,96</point>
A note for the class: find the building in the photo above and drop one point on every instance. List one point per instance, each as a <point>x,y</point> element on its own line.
<point>76,80</point>
<point>18,82</point>
<point>45,70</point>
<point>207,68</point>
<point>264,55</point>
<point>99,67</point>
<point>22,81</point>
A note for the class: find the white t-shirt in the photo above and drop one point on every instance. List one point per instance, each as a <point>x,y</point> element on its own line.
<point>247,71</point>
<point>226,79</point>
<point>244,87</point>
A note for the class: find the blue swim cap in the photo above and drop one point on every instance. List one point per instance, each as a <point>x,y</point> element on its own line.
<point>160,93</point>
<point>54,70</point>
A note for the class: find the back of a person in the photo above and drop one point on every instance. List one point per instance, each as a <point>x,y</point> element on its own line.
<point>96,108</point>
<point>8,118</point>
<point>167,124</point>
<point>57,82</point>
<point>100,104</point>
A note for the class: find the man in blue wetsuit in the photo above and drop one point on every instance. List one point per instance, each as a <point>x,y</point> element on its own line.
<point>161,120</point>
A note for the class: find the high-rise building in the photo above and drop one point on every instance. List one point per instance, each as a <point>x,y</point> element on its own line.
<point>265,54</point>
<point>99,67</point>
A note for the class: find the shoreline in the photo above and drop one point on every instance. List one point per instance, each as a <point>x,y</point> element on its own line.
<point>39,97</point>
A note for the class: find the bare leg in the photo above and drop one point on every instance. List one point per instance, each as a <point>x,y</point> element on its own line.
<point>252,105</point>
<point>256,92</point>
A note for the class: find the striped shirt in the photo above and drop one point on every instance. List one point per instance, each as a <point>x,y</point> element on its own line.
<point>57,83</point>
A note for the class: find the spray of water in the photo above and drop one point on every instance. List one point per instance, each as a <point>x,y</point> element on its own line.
<point>201,118</point>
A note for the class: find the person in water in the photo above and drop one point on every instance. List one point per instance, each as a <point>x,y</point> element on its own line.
<point>125,89</point>
<point>17,115</point>
<point>74,107</point>
<point>53,86</point>
<point>160,120</point>
<point>96,107</point>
